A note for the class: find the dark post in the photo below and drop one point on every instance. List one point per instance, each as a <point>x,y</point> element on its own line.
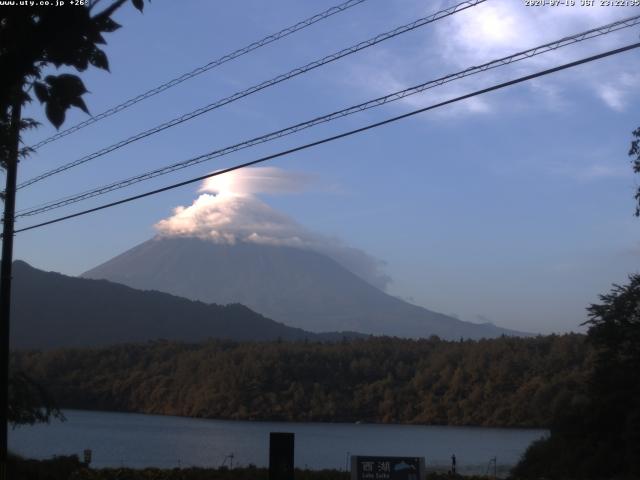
<point>281,449</point>
<point>5,281</point>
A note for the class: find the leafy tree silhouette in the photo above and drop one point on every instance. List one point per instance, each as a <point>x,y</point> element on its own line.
<point>634,151</point>
<point>33,38</point>
<point>29,402</point>
<point>597,435</point>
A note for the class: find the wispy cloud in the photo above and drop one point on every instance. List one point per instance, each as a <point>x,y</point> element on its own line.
<point>616,92</point>
<point>589,172</point>
<point>496,29</point>
<point>595,172</point>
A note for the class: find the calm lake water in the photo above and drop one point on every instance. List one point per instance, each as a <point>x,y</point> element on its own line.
<point>135,440</point>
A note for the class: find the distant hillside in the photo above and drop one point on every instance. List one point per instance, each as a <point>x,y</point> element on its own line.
<point>298,287</point>
<point>54,310</point>
<point>508,382</point>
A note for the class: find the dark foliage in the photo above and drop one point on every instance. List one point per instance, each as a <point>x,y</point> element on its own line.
<point>59,468</point>
<point>509,382</point>
<point>70,468</point>
<point>634,151</point>
<point>598,435</point>
<point>29,403</point>
<point>246,473</point>
<point>34,37</point>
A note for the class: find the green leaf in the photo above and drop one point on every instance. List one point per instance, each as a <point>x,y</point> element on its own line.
<point>41,91</point>
<point>81,63</point>
<point>65,86</point>
<point>105,24</point>
<point>79,102</point>
<point>93,33</point>
<point>139,4</point>
<point>100,40</point>
<point>55,113</point>
<point>28,124</point>
<point>64,91</point>
<point>99,59</point>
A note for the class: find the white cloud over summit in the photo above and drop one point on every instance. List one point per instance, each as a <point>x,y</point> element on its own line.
<point>228,211</point>
<point>250,181</point>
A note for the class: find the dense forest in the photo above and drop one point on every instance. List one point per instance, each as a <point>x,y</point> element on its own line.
<point>508,382</point>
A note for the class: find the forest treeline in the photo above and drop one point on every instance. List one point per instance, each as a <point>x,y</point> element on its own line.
<point>507,382</point>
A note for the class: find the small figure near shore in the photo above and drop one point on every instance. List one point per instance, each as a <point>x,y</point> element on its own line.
<point>453,464</point>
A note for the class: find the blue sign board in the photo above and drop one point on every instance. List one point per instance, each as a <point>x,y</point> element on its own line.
<point>386,468</point>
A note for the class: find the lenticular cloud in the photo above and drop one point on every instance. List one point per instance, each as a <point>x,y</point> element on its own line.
<point>228,211</point>
<point>250,181</point>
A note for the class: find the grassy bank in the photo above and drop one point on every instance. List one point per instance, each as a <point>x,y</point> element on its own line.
<point>70,468</point>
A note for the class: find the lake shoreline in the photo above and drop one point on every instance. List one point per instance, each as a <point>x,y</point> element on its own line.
<point>139,441</point>
<point>295,422</point>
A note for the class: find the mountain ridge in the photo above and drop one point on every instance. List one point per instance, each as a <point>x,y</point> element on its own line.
<point>297,287</point>
<point>51,310</point>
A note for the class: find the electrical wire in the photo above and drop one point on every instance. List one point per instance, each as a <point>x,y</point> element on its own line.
<point>563,42</point>
<point>202,69</point>
<point>261,86</point>
<point>338,136</point>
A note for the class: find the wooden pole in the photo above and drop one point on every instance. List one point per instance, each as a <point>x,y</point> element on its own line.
<point>5,280</point>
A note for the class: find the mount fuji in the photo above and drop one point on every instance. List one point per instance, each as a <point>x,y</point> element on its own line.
<point>300,288</point>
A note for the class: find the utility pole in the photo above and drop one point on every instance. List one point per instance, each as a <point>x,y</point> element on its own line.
<point>5,277</point>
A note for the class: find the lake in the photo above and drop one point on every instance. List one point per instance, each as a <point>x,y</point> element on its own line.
<point>136,440</point>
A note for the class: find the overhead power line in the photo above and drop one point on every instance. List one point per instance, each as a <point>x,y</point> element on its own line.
<point>202,69</point>
<point>261,86</point>
<point>337,137</point>
<point>563,42</point>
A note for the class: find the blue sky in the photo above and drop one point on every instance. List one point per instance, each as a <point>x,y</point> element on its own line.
<point>514,207</point>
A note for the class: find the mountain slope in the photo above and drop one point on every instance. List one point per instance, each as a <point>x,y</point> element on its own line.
<point>297,287</point>
<point>53,310</point>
